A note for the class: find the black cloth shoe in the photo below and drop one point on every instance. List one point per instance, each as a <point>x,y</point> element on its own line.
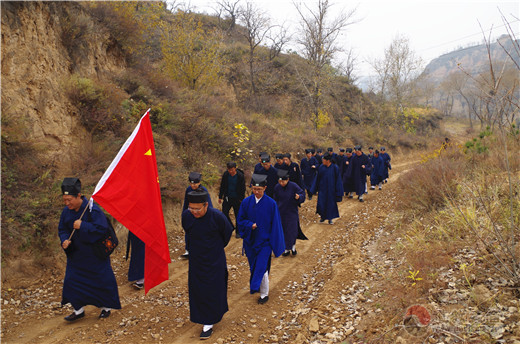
<point>104,314</point>
<point>263,300</point>
<point>331,222</point>
<point>286,253</point>
<point>294,252</point>
<point>322,220</point>
<point>74,316</point>
<point>206,334</point>
<point>185,256</point>
<point>138,285</point>
<point>361,200</point>
<point>350,196</point>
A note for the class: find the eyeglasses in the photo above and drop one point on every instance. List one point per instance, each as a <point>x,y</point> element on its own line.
<point>195,210</point>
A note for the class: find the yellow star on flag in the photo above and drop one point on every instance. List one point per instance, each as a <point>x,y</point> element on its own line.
<point>149,152</point>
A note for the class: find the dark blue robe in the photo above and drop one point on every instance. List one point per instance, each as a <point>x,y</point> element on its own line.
<point>329,186</point>
<point>378,170</point>
<point>272,179</point>
<point>260,242</point>
<point>281,166</point>
<point>89,280</point>
<point>288,208</point>
<point>136,267</point>
<point>357,173</point>
<point>348,182</point>
<point>207,274</point>
<point>295,174</point>
<point>308,172</point>
<point>258,168</point>
<point>386,161</point>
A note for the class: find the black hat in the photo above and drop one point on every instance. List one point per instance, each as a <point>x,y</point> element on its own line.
<point>231,164</point>
<point>382,148</point>
<point>258,179</point>
<point>313,151</point>
<point>279,156</point>
<point>197,196</point>
<point>265,158</point>
<point>349,150</point>
<point>370,147</point>
<point>342,149</point>
<point>71,186</point>
<point>330,149</point>
<point>319,150</point>
<point>327,156</point>
<point>376,152</point>
<point>195,177</point>
<point>287,155</point>
<point>283,174</point>
<point>308,150</point>
<point>261,153</point>
<point>357,148</point>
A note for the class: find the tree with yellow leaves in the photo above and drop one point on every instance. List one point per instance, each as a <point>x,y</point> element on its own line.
<point>192,55</point>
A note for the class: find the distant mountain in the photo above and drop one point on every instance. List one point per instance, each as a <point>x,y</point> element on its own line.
<point>473,60</point>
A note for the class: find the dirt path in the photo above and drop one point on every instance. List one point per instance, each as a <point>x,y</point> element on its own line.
<point>313,295</point>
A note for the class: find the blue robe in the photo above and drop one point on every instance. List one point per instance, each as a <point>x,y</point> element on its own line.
<point>295,174</point>
<point>386,161</point>
<point>136,267</point>
<point>329,186</point>
<point>258,168</point>
<point>272,179</point>
<point>89,280</point>
<point>207,274</point>
<point>357,174</point>
<point>288,208</point>
<point>309,173</point>
<point>260,242</point>
<point>378,170</point>
<point>348,183</point>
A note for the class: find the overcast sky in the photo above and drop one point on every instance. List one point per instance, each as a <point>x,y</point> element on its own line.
<point>433,27</point>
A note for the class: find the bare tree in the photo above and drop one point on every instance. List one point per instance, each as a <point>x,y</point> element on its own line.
<point>228,10</point>
<point>279,37</point>
<point>257,26</point>
<point>319,39</point>
<point>398,71</point>
<point>348,66</point>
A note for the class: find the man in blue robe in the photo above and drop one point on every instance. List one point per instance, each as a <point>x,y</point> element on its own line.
<point>208,232</point>
<point>195,183</point>
<point>295,174</point>
<point>89,280</point>
<point>258,166</point>
<point>386,161</point>
<point>348,184</point>
<point>279,162</point>
<point>329,186</point>
<point>260,227</point>
<point>358,173</point>
<point>319,156</point>
<point>270,172</point>
<point>378,170</point>
<point>309,167</point>
<point>136,267</point>
<point>288,196</point>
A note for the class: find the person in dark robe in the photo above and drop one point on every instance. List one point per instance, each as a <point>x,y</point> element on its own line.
<point>295,174</point>
<point>377,173</point>
<point>279,162</point>
<point>330,150</point>
<point>329,186</point>
<point>358,173</point>
<point>288,196</point>
<point>208,232</point>
<point>348,184</point>
<point>319,156</point>
<point>309,167</point>
<point>258,166</point>
<point>340,161</point>
<point>89,279</point>
<point>136,267</point>
<point>387,165</point>
<point>260,227</point>
<point>195,183</point>
<point>232,191</point>
<point>270,172</point>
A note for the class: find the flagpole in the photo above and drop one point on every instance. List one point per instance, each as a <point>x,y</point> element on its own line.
<point>71,234</point>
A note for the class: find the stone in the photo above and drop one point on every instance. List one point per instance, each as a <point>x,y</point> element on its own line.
<point>314,325</point>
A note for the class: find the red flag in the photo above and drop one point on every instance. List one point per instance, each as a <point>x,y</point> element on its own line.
<point>129,191</point>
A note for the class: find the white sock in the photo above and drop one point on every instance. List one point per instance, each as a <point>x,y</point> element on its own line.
<point>264,286</point>
<point>141,281</point>
<point>206,328</point>
<point>294,247</point>
<point>106,309</point>
<point>79,311</point>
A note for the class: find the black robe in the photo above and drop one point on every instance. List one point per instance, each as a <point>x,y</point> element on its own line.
<point>207,274</point>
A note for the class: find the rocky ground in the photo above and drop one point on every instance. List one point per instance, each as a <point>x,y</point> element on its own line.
<point>349,283</point>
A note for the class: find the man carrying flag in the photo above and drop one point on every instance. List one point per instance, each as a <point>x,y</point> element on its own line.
<point>129,190</point>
